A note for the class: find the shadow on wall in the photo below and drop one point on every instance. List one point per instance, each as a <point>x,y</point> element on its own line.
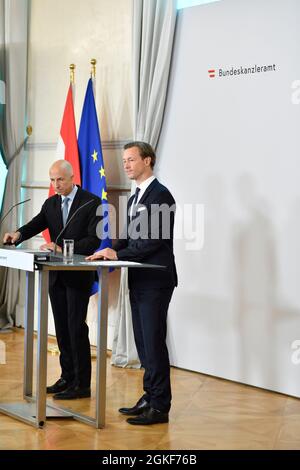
<point>203,296</point>
<point>289,300</point>
<point>255,281</point>
<point>234,313</point>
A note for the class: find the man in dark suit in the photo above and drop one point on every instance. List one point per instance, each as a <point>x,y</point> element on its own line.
<point>148,239</point>
<point>69,291</point>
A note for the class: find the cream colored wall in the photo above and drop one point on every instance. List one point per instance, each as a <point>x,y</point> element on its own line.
<point>74,31</point>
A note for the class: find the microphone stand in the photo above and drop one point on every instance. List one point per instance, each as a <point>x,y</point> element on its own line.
<point>9,211</point>
<point>15,205</point>
<point>71,218</point>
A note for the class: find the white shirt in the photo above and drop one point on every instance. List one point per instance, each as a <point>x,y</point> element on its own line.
<point>71,196</point>
<point>143,186</point>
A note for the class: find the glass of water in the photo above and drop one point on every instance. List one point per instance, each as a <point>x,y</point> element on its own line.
<point>68,251</point>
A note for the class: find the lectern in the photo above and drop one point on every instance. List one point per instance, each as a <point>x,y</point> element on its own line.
<point>35,409</point>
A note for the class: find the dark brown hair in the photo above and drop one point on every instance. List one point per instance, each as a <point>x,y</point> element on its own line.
<point>145,150</point>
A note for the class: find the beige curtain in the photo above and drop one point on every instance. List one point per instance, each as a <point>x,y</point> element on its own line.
<point>153,37</point>
<point>13,71</point>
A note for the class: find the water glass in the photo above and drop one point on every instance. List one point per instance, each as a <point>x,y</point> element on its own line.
<point>68,251</point>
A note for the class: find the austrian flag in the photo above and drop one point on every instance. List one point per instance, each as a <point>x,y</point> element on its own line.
<point>67,148</point>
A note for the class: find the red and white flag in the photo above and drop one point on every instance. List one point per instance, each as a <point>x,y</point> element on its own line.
<point>67,147</point>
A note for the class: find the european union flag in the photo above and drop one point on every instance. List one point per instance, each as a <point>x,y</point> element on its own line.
<point>91,159</point>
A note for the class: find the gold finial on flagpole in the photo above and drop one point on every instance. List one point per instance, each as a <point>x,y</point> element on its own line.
<point>93,71</point>
<point>72,73</point>
<point>29,130</point>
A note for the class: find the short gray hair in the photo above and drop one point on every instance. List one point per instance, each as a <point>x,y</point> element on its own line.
<point>64,165</point>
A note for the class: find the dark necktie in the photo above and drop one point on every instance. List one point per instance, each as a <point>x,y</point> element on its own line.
<point>133,209</point>
<point>136,195</point>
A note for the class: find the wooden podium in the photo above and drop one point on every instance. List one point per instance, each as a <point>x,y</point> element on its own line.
<point>35,409</point>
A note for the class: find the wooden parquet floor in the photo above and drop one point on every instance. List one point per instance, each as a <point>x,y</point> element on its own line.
<point>207,413</point>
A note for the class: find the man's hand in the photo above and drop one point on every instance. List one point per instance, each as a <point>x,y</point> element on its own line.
<point>50,246</point>
<point>11,238</point>
<point>106,254</point>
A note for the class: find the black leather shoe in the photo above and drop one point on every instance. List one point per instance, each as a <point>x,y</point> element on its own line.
<point>59,386</point>
<point>72,393</point>
<point>137,409</point>
<point>150,416</point>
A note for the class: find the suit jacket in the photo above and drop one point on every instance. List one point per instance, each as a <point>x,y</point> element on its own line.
<point>148,238</point>
<point>82,229</point>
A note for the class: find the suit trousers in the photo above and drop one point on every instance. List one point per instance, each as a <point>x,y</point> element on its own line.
<point>69,306</point>
<point>149,317</point>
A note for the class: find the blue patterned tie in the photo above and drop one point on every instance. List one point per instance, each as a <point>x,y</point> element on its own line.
<point>65,206</point>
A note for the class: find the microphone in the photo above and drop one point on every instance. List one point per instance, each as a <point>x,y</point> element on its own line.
<point>71,218</point>
<point>8,212</point>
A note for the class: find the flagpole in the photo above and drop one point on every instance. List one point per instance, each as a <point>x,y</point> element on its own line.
<point>93,75</point>
<point>72,73</point>
<point>93,70</point>
<point>72,68</point>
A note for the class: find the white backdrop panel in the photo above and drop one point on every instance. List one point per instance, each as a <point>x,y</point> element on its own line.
<point>232,143</point>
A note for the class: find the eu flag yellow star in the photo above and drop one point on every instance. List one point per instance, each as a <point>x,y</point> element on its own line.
<point>104,195</point>
<point>102,172</point>
<point>95,156</point>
